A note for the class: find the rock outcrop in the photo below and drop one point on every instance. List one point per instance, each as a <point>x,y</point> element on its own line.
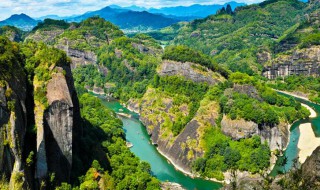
<point>238,129</point>
<point>13,123</point>
<point>156,111</point>
<point>249,90</point>
<point>301,62</point>
<point>59,127</point>
<point>191,71</point>
<point>78,57</point>
<point>55,135</point>
<point>46,36</point>
<point>311,167</point>
<point>277,136</point>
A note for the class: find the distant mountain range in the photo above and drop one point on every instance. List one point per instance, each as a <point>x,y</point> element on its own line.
<point>131,18</point>
<point>127,19</point>
<point>22,21</point>
<point>195,11</point>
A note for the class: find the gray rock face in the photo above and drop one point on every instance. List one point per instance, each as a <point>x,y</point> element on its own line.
<point>58,127</point>
<point>58,130</point>
<point>191,71</point>
<point>176,151</point>
<point>263,57</point>
<point>238,129</point>
<point>184,148</point>
<point>277,136</point>
<point>143,49</point>
<point>13,122</point>
<point>249,90</point>
<point>55,131</point>
<point>311,167</point>
<point>78,57</point>
<point>45,36</point>
<point>301,62</point>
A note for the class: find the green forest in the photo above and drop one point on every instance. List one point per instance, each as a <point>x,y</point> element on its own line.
<point>157,74</point>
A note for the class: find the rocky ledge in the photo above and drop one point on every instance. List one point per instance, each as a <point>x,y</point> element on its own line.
<point>301,62</point>
<point>191,71</point>
<point>276,136</point>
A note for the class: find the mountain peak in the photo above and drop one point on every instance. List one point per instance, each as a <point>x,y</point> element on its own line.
<point>20,16</point>
<point>21,21</point>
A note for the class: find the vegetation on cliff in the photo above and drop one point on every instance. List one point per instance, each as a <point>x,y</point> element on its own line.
<point>307,85</point>
<point>103,144</point>
<point>128,68</point>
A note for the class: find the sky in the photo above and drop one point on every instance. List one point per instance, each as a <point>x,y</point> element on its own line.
<point>37,8</point>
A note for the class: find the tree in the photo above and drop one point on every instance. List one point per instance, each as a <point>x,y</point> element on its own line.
<point>231,157</point>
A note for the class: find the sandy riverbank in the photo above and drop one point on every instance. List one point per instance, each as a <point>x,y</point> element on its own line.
<point>308,142</point>
<point>313,113</point>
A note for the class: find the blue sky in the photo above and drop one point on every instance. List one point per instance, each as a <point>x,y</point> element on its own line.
<point>37,8</point>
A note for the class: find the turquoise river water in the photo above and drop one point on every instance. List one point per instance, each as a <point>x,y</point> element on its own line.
<point>292,150</point>
<point>137,134</point>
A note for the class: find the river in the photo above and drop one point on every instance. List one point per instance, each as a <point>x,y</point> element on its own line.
<point>137,134</point>
<point>292,150</point>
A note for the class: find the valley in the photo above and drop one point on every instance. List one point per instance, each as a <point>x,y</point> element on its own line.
<point>212,102</point>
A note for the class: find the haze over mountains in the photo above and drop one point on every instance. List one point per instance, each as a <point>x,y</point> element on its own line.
<point>131,18</point>
<point>195,11</point>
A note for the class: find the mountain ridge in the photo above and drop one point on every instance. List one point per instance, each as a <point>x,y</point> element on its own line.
<point>21,21</point>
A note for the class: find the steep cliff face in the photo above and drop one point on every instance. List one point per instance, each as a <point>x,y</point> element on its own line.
<point>14,34</point>
<point>46,36</point>
<point>191,71</point>
<point>157,111</point>
<point>55,127</point>
<point>301,62</point>
<point>311,167</point>
<point>59,127</point>
<point>78,57</point>
<point>277,136</point>
<point>13,128</point>
<point>13,119</point>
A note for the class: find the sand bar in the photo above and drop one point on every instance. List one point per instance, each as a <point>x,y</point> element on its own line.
<point>308,142</point>
<point>313,113</point>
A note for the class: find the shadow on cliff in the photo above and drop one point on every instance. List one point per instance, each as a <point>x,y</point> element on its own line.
<point>88,147</point>
<point>56,159</point>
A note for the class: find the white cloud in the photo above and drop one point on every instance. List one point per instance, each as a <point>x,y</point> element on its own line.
<point>37,8</point>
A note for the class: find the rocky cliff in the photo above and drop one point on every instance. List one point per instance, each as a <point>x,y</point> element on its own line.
<point>305,177</point>
<point>36,128</point>
<point>13,116</point>
<point>191,71</point>
<point>277,137</point>
<point>304,61</point>
<point>157,112</point>
<point>46,36</point>
<point>59,127</point>
<point>55,127</point>
<point>78,57</point>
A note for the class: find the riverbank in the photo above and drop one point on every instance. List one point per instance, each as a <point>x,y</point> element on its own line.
<point>294,95</point>
<point>307,143</point>
<point>313,113</point>
<point>187,173</point>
